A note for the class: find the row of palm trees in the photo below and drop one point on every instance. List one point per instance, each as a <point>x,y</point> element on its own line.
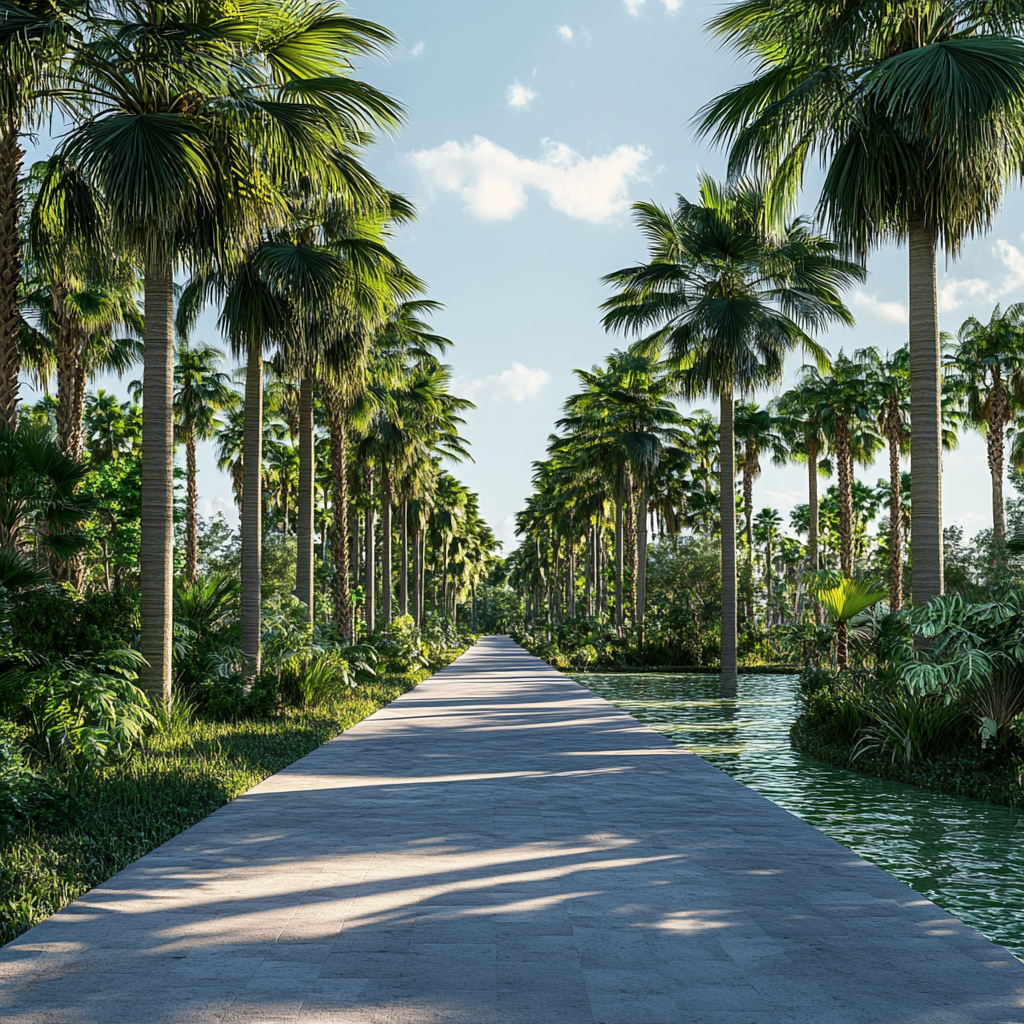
<point>914,111</point>
<point>628,463</point>
<point>224,143</point>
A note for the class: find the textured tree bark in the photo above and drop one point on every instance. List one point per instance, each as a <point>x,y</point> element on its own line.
<point>387,582</point>
<point>66,353</point>
<point>252,513</point>
<point>418,574</point>
<point>191,499</point>
<point>304,518</point>
<point>571,596</point>
<point>403,582</point>
<point>925,415</point>
<point>11,156</point>
<point>842,644</point>
<point>894,435</point>
<point>340,592</point>
<point>844,468</point>
<point>370,565</point>
<point>812,506</point>
<point>632,553</point>
<point>641,558</point>
<point>620,618</point>
<point>69,426</point>
<point>156,555</point>
<point>997,419</point>
<point>727,484</point>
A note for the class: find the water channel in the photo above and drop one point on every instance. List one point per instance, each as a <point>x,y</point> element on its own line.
<point>964,855</point>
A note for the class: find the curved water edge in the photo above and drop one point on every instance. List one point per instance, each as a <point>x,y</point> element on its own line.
<point>966,856</point>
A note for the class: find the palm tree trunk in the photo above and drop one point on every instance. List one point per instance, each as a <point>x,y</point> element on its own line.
<point>620,618</point>
<point>387,576</point>
<point>632,553</point>
<point>641,559</point>
<point>252,512</point>
<point>66,352</point>
<point>370,557</point>
<point>997,418</point>
<point>894,435</point>
<point>11,156</point>
<point>403,582</point>
<point>304,523</point>
<point>727,485</point>
<point>812,506</point>
<point>340,593</point>
<point>156,554</point>
<point>844,466</point>
<point>571,596</point>
<point>77,437</point>
<point>418,540</point>
<point>925,414</point>
<point>842,644</point>
<point>191,500</point>
<point>588,572</point>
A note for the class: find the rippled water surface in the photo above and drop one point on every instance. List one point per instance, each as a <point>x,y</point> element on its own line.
<point>966,856</point>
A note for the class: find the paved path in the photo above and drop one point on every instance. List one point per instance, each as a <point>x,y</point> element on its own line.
<point>500,846</point>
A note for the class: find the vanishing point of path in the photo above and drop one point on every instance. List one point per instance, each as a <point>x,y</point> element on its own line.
<point>500,846</point>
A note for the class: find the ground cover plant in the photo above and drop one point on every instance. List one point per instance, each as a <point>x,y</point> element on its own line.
<point>934,697</point>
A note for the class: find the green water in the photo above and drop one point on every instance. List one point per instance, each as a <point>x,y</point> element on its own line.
<point>966,856</point>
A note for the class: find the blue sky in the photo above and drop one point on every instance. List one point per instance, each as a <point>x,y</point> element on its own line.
<point>532,127</point>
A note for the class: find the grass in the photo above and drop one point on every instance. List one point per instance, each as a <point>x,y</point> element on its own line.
<point>100,821</point>
<point>979,775</point>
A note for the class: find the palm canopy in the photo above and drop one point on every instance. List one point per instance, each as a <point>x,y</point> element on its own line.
<point>725,298</point>
<point>913,108</point>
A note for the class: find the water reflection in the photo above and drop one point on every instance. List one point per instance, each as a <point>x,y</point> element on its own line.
<point>965,855</point>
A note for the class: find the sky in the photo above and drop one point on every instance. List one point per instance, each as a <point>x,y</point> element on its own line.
<point>531,129</point>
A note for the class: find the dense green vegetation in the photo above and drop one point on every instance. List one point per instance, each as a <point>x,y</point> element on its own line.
<point>155,663</point>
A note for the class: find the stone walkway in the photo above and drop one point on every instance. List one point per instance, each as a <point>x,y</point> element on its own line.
<point>500,846</point>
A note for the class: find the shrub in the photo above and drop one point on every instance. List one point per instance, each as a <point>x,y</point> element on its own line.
<point>55,621</point>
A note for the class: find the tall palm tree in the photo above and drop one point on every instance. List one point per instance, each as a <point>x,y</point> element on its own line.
<point>34,40</point>
<point>914,110</point>
<point>766,532</point>
<point>201,390</point>
<point>986,372</point>
<point>888,385</point>
<point>197,125</point>
<point>848,420</point>
<point>727,300</point>
<point>620,425</point>
<point>799,412</point>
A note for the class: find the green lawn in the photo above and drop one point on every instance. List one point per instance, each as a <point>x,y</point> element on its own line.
<point>103,820</point>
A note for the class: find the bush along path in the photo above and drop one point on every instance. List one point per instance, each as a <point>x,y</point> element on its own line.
<point>873,722</point>
<point>64,832</point>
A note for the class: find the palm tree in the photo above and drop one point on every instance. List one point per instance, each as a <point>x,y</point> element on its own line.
<point>201,390</point>
<point>914,110</point>
<point>799,412</point>
<point>847,419</point>
<point>34,39</point>
<point>986,372</point>
<point>728,300</point>
<point>766,531</point>
<point>197,124</point>
<point>888,384</point>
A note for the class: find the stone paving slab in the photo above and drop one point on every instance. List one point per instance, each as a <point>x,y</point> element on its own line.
<point>501,846</point>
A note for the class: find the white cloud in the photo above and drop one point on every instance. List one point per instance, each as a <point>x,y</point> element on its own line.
<point>566,33</point>
<point>876,309</point>
<point>956,292</point>
<point>517,384</point>
<point>633,6</point>
<point>520,96</point>
<point>493,181</point>
<point>418,49</point>
<point>506,532</point>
